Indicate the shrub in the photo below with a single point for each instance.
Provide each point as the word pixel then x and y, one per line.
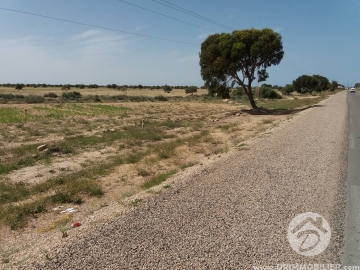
pixel 167 88
pixel 287 89
pixel 65 197
pixel 51 95
pixel 65 87
pixel 34 99
pixel 237 93
pixel 191 90
pixel 119 97
pixel 140 98
pixel 71 95
pixel 97 98
pixel 266 92
pixel 19 86
pixel 161 98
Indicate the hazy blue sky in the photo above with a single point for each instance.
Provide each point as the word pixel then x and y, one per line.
pixel 319 37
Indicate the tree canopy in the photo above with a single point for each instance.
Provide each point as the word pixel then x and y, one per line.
pixel 334 85
pixel 167 88
pixel 232 59
pixel 308 84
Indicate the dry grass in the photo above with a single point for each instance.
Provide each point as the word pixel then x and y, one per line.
pixel 98 91
pixel 101 154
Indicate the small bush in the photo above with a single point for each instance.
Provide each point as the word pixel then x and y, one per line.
pixel 191 90
pixel 51 95
pixel 237 93
pixel 119 97
pixel 313 93
pixel 267 92
pixel 34 99
pixel 71 95
pixel 139 98
pixel 61 147
pixel 97 98
pixel 19 86
pixel 133 158
pixel 287 89
pixel 161 98
pixel 65 197
pixel 66 87
pixel 142 172
pixel 11 96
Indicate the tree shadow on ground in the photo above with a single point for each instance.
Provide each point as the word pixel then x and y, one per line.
pixel 262 111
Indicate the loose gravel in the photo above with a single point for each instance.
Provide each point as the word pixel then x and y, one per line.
pixel 235 212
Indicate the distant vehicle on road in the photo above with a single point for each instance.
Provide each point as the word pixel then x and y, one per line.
pixel 352 89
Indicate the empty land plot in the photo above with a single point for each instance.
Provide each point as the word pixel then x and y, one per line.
pixel 102 158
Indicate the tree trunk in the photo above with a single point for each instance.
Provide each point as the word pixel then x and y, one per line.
pixel 252 102
pixel 251 98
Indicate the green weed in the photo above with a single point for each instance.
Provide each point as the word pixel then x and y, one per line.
pixel 136 202
pixel 158 179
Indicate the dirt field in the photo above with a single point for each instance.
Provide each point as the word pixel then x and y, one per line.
pixel 98 160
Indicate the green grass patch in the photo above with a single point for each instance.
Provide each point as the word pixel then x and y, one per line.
pixel 16 216
pixel 13 192
pixel 285 104
pixel 28 155
pixel 67 189
pixel 166 149
pixel 61 111
pixel 158 179
pixel 13 115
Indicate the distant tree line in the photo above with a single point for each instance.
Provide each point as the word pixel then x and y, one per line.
pixel 83 86
pixel 303 84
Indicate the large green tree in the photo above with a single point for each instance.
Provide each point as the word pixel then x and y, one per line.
pixel 233 59
pixel 307 84
pixel 334 85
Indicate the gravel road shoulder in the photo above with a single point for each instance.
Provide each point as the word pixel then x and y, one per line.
pixel 234 213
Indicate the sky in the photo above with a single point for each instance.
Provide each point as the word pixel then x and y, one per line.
pixel 146 42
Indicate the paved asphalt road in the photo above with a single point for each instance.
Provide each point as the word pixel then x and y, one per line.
pixel 352 224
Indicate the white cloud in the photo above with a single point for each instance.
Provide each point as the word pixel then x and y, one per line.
pixel 91 56
pixel 95 56
pixel 98 41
